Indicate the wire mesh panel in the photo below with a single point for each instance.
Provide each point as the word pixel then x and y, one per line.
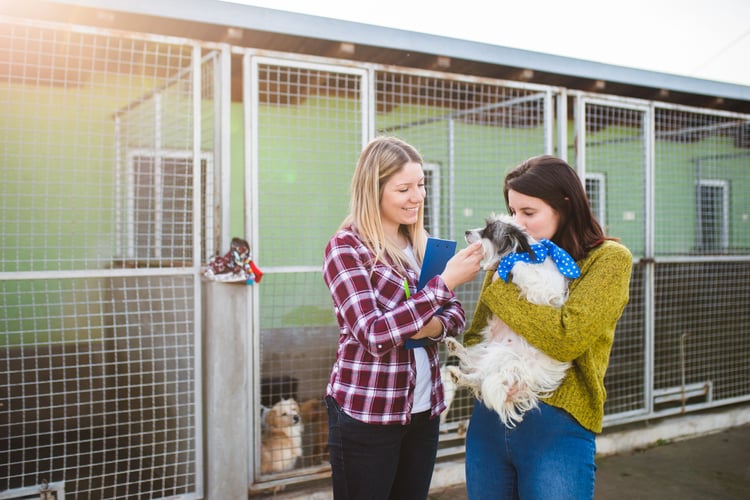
pixel 99 395
pixel 627 377
pixel 97 276
pixel 702 337
pixel 615 143
pixel 615 169
pixel 702 245
pixel 310 124
pixel 681 211
pixel 702 186
pixel 470 133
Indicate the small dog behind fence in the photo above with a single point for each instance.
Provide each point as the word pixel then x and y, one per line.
pixel 281 442
pixel 293 435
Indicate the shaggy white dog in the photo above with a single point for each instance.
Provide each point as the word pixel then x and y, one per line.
pixel 504 371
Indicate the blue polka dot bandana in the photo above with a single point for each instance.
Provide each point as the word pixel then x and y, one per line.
pixel 545 248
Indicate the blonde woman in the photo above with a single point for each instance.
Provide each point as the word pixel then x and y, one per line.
pixel 384 400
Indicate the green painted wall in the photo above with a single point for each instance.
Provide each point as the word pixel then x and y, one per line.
pixel 54 140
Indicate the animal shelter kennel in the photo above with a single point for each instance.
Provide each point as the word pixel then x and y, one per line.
pixel 131 158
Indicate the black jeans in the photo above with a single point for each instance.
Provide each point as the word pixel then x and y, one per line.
pixel 379 462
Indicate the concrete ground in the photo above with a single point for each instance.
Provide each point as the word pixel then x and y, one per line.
pixel 713 466
pixel 701 456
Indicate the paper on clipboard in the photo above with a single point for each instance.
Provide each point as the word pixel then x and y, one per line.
pixel 437 253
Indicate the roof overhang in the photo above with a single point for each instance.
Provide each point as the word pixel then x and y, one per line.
pixel 262 28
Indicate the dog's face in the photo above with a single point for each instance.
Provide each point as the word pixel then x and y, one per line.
pixel 283 414
pixel 500 236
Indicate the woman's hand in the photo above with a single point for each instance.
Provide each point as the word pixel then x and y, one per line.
pixel 433 328
pixel 464 266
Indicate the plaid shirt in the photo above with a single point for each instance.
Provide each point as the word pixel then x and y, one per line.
pixel 373 377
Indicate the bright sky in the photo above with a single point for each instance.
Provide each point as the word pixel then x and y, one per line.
pixel 699 38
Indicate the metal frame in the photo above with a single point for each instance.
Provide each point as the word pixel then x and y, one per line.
pixel 251 64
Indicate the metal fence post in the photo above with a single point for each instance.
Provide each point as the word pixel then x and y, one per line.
pixel 226 390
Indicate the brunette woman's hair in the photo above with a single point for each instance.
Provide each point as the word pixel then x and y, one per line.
pixel 379 161
pixel 554 181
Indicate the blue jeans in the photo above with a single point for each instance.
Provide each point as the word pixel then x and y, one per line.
pixel 547 456
pixel 381 462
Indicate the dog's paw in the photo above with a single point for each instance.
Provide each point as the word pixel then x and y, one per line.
pixel 453 345
pixel 454 373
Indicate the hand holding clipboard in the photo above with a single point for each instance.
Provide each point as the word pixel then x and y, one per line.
pixel 436 255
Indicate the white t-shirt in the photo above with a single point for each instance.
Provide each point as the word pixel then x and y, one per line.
pixel 423 387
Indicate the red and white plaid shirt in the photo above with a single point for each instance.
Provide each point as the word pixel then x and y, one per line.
pixel 373 377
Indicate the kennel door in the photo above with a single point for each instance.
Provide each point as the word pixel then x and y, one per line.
pixel 307 123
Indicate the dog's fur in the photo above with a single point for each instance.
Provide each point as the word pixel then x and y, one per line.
pixel 504 362
pixel 281 443
pixel 315 419
pixel 449 390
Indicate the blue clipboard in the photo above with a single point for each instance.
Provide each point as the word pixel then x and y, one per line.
pixel 437 253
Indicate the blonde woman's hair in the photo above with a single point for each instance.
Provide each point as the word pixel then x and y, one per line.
pixel 379 161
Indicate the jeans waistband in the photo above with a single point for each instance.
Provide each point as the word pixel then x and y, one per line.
pixel 422 416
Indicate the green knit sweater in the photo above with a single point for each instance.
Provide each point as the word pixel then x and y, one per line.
pixel 582 331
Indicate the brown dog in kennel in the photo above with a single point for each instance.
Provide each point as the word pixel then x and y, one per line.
pixel 315 420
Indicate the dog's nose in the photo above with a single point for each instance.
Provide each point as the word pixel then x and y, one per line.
pixel 296 419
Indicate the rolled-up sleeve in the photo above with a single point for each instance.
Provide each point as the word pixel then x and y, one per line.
pixel 371 303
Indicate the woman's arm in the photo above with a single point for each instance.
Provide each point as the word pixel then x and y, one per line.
pixel 595 303
pixel 473 334
pixel 371 303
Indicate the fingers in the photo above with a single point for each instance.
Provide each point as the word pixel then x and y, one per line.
pixel 474 248
pixel 473 258
pixel 464 266
pixel 474 253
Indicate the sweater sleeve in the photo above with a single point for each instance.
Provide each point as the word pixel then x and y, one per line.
pixel 473 334
pixel 595 302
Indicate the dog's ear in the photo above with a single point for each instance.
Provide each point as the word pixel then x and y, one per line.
pixel 520 240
